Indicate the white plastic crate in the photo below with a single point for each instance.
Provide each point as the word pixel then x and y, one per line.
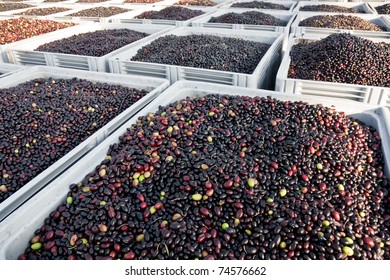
pixel 159 3
pixel 370 1
pixel 42 2
pixel 38 6
pixel 154 86
pixel 3 48
pixel 130 17
pixel 365 94
pixel 282 15
pixel 8 14
pixel 23 53
pixel 75 2
pixel 382 21
pixel 70 2
pixel 288 4
pixel 339 1
pixel 374 5
pixel 17 230
pixel 80 7
pixel 7 69
pixel 94 3
pixel 132 6
pixel 362 7
pixel 262 77
pixel 219 4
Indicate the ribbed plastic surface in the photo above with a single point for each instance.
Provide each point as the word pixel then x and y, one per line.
pixel 7 69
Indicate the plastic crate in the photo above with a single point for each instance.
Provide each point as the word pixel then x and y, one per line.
pixel 42 2
pixel 7 14
pixel 339 1
pixel 375 4
pixel 70 2
pixel 14 13
pixel 3 48
pixel 382 21
pixel 80 7
pixel 159 3
pixel 132 6
pixel 130 17
pixel 288 4
pixel 370 1
pixel 366 94
pixel 23 53
pixel 7 69
pixel 155 86
pixel 219 4
pixel 362 7
pixel 18 229
pixel 262 77
pixel 286 16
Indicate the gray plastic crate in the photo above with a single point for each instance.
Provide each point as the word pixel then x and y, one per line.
pixel 23 53
pixel 366 94
pixel 130 16
pixel 155 86
pixel 18 229
pixel 382 21
pixel 288 4
pixel 262 76
pixel 286 16
pixel 362 7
